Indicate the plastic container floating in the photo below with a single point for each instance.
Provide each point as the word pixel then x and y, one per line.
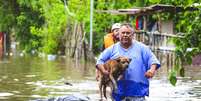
pixel 51 57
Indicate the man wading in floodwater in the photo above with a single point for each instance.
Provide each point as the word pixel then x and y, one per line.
pixel 134 85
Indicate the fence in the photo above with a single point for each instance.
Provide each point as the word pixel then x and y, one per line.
pixel 160 44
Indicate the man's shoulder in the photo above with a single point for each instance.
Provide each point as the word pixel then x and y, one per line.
pixel 138 43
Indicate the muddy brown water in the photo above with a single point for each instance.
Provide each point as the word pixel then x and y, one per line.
pixel 29 78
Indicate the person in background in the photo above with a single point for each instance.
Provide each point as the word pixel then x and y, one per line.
pixel 1 44
pixel 113 37
pixel 134 85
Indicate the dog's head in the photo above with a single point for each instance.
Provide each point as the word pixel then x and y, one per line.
pixel 123 62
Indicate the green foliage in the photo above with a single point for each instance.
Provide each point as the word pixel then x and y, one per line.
pixel 182 72
pixel 55 19
pixel 24 21
pixel 154 1
pixel 7 16
pixel 172 77
pixel 41 23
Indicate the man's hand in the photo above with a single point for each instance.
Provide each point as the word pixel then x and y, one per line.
pixel 151 72
pixel 102 70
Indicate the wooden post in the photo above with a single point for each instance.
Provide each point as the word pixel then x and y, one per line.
pixel 91 24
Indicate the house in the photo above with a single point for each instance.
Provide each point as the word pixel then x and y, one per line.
pixel 154 32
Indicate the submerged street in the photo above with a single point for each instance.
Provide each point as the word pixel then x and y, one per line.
pixel 30 78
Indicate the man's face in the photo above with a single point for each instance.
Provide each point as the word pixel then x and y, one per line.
pixel 125 35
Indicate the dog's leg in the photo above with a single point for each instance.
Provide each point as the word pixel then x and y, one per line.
pixel 120 77
pixel 100 89
pixel 114 82
pixel 104 91
pixel 111 90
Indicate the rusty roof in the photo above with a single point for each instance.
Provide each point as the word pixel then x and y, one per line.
pixel 149 10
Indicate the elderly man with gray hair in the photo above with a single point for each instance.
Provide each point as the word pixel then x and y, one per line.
pixel 134 85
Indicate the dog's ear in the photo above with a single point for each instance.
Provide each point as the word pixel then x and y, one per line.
pixel 118 59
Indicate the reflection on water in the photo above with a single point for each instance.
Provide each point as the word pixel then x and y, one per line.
pixel 29 78
pixel 163 91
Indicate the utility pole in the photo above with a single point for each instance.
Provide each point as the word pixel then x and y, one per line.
pixel 91 24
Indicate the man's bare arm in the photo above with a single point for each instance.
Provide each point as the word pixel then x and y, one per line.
pixel 151 72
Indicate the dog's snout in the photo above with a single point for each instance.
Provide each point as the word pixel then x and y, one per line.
pixel 126 64
pixel 130 59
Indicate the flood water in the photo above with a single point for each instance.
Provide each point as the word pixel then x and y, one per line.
pixel 29 78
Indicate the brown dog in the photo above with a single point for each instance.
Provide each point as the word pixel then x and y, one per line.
pixel 115 67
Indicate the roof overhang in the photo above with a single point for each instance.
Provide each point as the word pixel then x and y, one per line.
pixel 149 10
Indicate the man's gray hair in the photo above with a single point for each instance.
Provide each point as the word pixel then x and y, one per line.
pixel 128 25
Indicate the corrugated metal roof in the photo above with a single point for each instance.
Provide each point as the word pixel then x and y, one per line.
pixel 149 10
